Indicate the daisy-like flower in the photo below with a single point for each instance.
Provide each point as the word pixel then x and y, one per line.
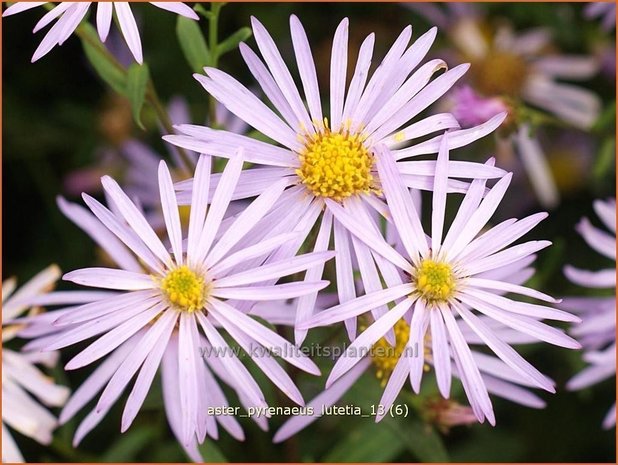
pixel 328 161
pixel 597 332
pixel 446 279
pixel 21 379
pixel 500 379
pixel 606 11
pixel 165 299
pixel 70 14
pixel 519 69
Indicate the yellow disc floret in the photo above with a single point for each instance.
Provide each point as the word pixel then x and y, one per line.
pixel 184 289
pixel 336 165
pixel 434 281
pixel 385 356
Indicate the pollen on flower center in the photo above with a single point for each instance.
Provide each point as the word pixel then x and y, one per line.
pixel 336 165
pixel 385 356
pixel 500 73
pixel 185 289
pixel 434 281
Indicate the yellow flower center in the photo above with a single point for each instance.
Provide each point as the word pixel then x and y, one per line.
pixel 434 281
pixel 499 73
pixel 336 165
pixel 184 289
pixel 384 356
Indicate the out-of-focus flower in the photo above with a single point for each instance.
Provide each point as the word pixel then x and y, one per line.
pixel 511 70
pixel 605 49
pixel 597 332
pixel 21 379
pixel 606 11
pixel 518 68
pixel 70 14
pixel 443 279
pixel 446 413
pixel 135 165
pixel 445 15
pixel 471 109
pixel 523 66
pixel 331 162
pixel 165 298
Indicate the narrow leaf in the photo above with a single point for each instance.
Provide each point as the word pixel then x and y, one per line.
pixel 369 442
pixel 232 41
pixel 419 438
pixel 192 43
pixel 137 81
pixel 109 72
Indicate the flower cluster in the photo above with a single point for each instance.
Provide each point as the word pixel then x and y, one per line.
pixel 313 217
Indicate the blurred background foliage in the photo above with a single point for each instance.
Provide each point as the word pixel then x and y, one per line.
pixel 58 117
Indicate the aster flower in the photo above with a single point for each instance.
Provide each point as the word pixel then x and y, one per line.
pixel 325 160
pixel 444 279
pixel 509 69
pixel 597 332
pixel 381 360
pixel 606 11
pixel 163 301
pixel 70 14
pixel 22 381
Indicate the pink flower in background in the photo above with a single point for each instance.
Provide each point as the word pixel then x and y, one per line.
pixel 471 109
pixel 70 14
pixel 597 332
pixel 441 281
pixel 163 301
pixel 509 68
pixel 606 11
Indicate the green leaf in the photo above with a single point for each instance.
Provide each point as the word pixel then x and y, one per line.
pixel 605 160
pixel 137 82
pixel 99 58
pixel 607 119
pixel 129 445
pixel 419 438
pixel 369 442
pixel 192 43
pixel 232 41
pixel 211 452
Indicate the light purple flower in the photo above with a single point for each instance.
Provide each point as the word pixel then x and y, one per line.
pixel 471 109
pixel 70 14
pixel 606 11
pixel 500 379
pixel 325 160
pixel 21 379
pixel 443 280
pixel 165 298
pixel 597 332
pixel 517 67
